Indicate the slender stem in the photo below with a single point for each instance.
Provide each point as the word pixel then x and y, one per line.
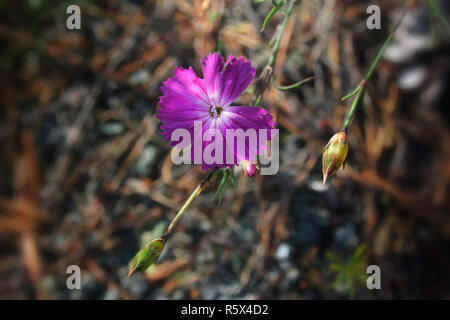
pixel 191 198
pixel 276 46
pixel 266 74
pixel 361 88
pixel 383 48
pixel 174 222
pixel 202 185
pixel 355 104
pixel 435 10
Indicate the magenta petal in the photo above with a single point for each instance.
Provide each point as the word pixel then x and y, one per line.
pixel 184 100
pixel 236 117
pixel 215 124
pixel 236 77
pixel 224 85
pixel 249 117
pixel 187 86
pixel 187 98
pixel 212 67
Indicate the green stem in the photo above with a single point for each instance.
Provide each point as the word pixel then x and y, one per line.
pixel 355 104
pixel 361 88
pixel 266 74
pixel 201 186
pixel 276 46
pixel 174 222
pixel 188 202
pixel 380 53
pixel 435 10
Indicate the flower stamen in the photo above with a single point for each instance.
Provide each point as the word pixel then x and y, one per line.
pixel 215 111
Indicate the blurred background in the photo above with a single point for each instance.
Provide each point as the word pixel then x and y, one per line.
pixel 86 179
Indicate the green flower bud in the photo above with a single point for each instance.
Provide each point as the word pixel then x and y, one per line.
pixel 147 256
pixel 334 155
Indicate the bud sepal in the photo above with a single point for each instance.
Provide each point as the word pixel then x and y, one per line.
pixel 147 256
pixel 334 155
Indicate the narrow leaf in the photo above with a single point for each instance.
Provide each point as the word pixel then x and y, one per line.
pixel 276 7
pixel 351 94
pixel 222 185
pixel 292 86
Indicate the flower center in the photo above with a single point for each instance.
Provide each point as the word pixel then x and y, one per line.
pixel 215 111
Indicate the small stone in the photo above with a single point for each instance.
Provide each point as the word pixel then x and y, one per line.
pixel 145 161
pixel 283 252
pixel 346 236
pixel 139 77
pixel 318 186
pixel 111 128
pixel 412 78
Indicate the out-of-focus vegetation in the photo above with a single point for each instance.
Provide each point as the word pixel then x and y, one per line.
pixel 86 179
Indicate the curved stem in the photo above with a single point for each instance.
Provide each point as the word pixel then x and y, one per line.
pixel 292 86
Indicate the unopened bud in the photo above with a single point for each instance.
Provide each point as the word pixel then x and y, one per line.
pixel 147 256
pixel 249 168
pixel 334 155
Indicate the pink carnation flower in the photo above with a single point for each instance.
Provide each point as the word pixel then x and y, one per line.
pixel 187 98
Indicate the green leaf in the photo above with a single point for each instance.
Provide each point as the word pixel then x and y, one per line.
pixel 233 178
pixel 213 16
pixel 250 90
pixel 352 94
pixel 434 9
pixel 360 250
pixel 276 6
pixel 333 257
pixel 221 189
pixel 335 267
pixel 292 86
pixel 349 273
